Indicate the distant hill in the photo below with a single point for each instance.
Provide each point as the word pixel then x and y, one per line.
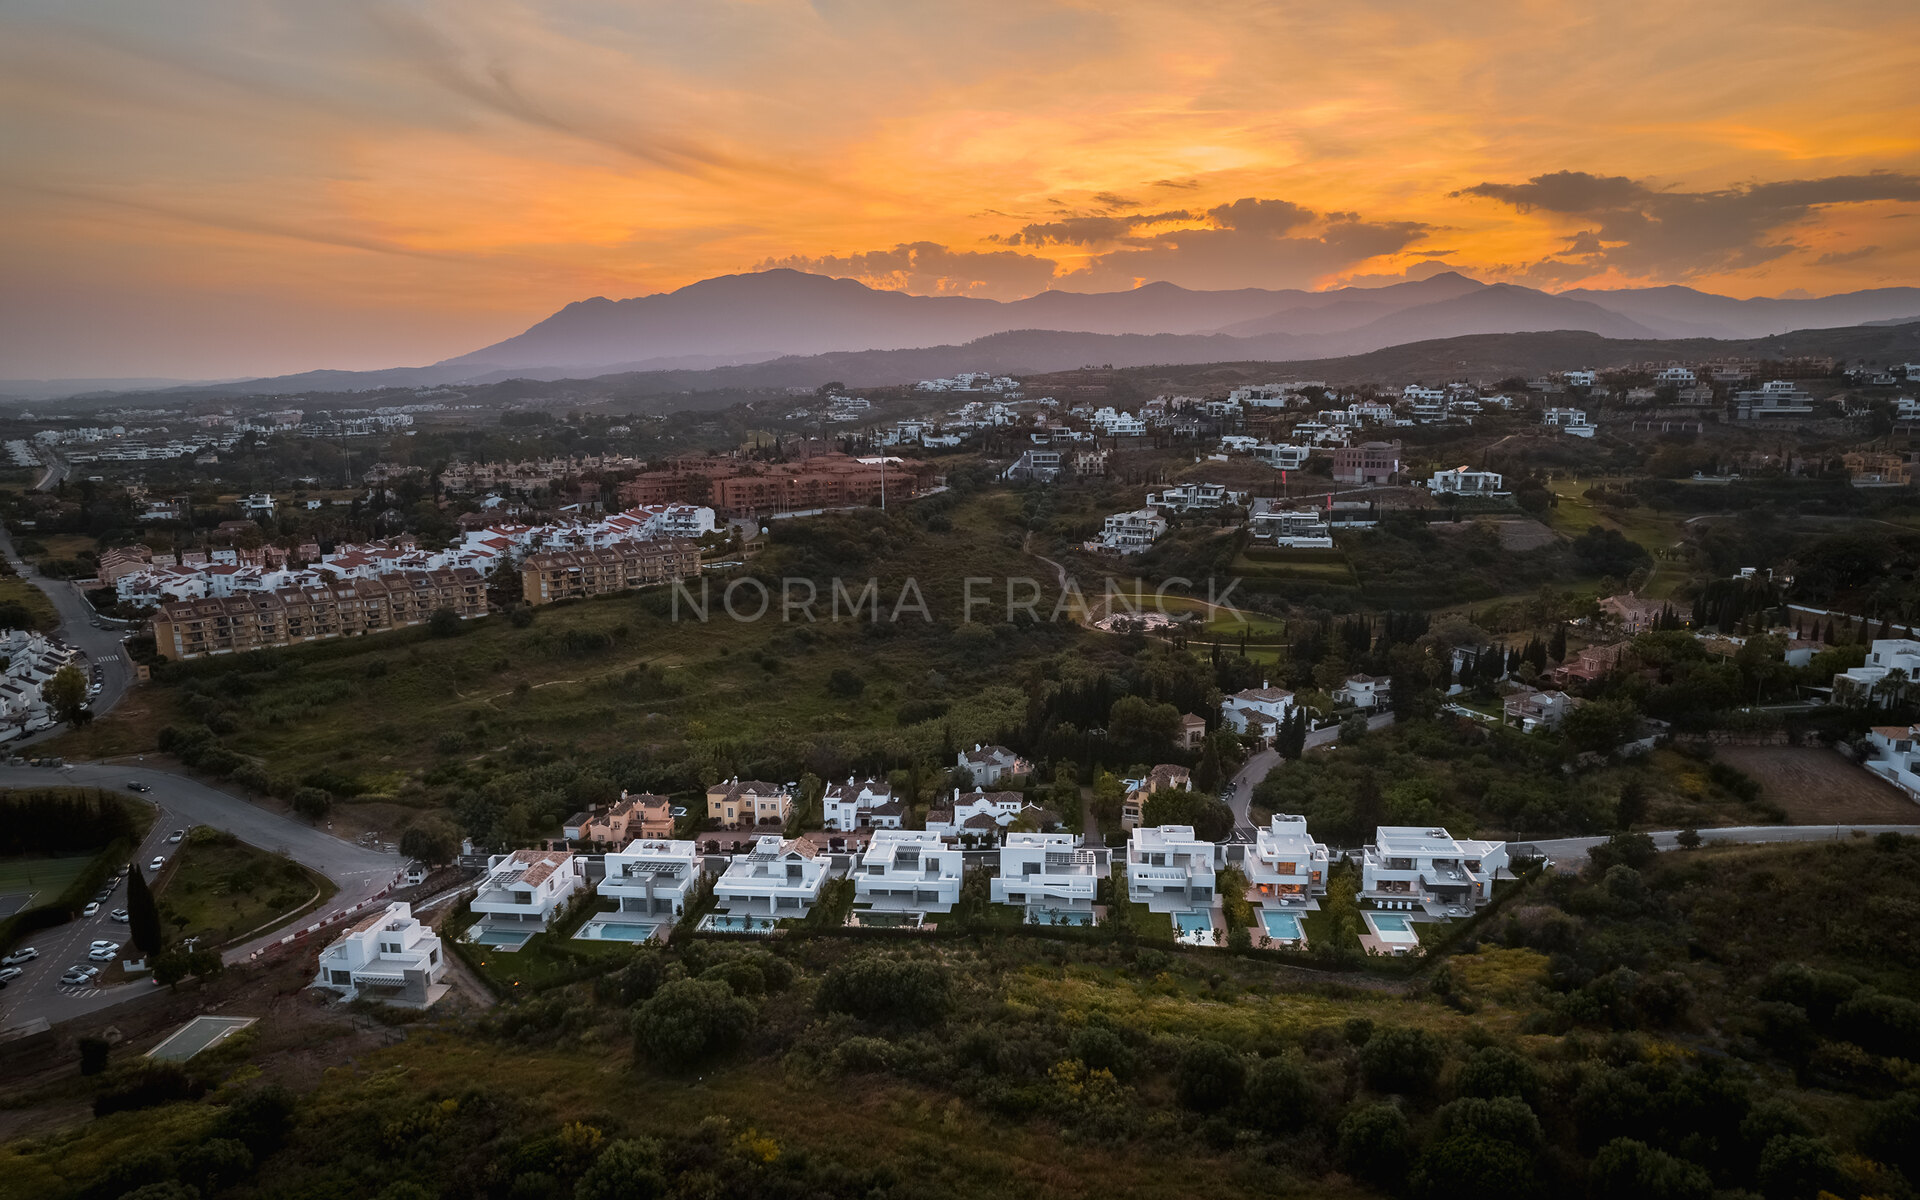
pixel 773 314
pixel 787 328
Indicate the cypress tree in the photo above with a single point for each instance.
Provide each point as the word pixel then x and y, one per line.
pixel 143 915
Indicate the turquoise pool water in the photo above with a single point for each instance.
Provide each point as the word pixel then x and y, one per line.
pixel 1284 926
pixel 728 923
pixel 1060 918
pixel 616 931
pixel 1193 922
pixel 1388 928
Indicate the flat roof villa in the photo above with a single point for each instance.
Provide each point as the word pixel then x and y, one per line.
pixel 906 872
pixel 388 956
pixel 1286 868
pixel 775 880
pixel 649 880
pixel 1428 872
pixel 1172 872
pixel 1050 876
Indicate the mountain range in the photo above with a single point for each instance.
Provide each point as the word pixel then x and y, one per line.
pixel 794 328
pixel 768 314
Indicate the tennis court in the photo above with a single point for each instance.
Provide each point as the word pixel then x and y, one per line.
pixel 25 881
pixel 197 1035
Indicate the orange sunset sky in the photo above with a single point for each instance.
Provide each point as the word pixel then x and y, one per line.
pixel 212 189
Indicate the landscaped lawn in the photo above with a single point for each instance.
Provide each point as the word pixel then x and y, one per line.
pixel 219 889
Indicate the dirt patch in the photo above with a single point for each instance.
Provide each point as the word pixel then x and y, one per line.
pixel 1815 786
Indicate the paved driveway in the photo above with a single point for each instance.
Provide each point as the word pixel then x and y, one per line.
pixel 357 871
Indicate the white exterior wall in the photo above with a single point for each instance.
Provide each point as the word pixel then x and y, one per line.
pixel 909 870
pixel 1169 869
pixel 652 877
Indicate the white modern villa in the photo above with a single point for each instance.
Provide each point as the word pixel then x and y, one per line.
pixel 907 871
pixel 652 878
pixel 1050 875
pixel 1428 871
pixel 388 956
pixel 522 891
pixel 1286 866
pixel 1171 871
pixel 1897 748
pixel 1874 682
pixel 775 880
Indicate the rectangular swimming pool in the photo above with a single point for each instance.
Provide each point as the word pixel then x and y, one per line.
pixel 1389 928
pixel 616 931
pixel 500 939
pixel 728 923
pixel 1281 926
pixel 1193 922
pixel 1036 916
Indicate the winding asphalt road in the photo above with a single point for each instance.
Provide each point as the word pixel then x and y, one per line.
pixel 356 871
pixel 1570 853
pixel 82 628
pixel 1255 769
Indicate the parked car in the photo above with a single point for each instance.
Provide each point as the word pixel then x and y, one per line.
pixel 92 908
pixel 80 976
pixel 102 955
pixel 159 860
pixel 9 974
pixel 121 915
pixel 104 944
pixel 22 955
pixel 137 786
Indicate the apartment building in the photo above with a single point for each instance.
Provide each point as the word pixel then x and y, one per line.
pixel 652 877
pixel 1429 871
pixel 186 629
pixel 601 570
pixel 735 802
pixel 1169 869
pixel 387 956
pixel 907 871
pixel 1368 464
pixel 1286 866
pixel 775 879
pixel 1051 876
pixel 738 488
pixel 524 890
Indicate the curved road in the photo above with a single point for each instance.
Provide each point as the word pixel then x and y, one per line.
pixel 82 628
pixel 355 870
pixel 1569 852
pixel 1255 769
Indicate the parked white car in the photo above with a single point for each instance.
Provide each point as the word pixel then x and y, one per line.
pixel 9 974
pixel 93 906
pixel 22 955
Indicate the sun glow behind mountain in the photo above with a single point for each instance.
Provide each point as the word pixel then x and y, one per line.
pixel 233 188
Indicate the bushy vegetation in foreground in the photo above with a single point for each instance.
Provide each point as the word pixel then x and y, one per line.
pixel 1664 1025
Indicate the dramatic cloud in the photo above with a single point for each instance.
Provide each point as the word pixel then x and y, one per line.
pixel 1262 216
pixel 230 186
pixel 1089 231
pixel 1637 229
pixel 930 269
pixel 1251 243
